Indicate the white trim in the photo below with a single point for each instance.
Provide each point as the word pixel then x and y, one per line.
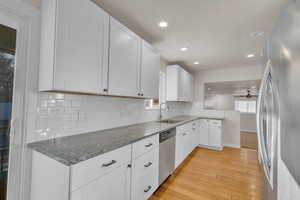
pixel 24 18
pixel 249 131
pixel 237 146
pixel 211 147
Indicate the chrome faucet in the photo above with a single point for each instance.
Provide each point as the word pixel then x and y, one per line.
pixel 160 109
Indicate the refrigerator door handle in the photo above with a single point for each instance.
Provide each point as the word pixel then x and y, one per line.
pixel 261 139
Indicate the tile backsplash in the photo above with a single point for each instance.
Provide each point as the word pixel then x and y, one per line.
pixel 59 115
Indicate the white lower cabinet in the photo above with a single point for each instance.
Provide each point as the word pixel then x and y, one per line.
pixel 145 175
pixel 186 136
pixel 211 133
pixel 204 126
pixel 127 173
pixel 145 168
pixel 112 186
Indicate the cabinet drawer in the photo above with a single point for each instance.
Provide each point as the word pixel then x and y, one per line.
pixel 85 172
pixel 145 163
pixel 112 186
pixel 215 123
pixel 145 185
pixel 145 145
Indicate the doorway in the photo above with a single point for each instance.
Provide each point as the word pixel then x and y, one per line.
pixel 8 38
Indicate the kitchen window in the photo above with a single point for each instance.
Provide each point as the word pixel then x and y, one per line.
pixel 245 106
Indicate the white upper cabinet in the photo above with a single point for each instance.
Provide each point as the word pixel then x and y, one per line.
pixel 74 47
pixel 84 50
pixel 179 84
pixel 150 68
pixel 124 61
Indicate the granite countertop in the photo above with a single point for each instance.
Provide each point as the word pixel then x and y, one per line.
pixel 71 150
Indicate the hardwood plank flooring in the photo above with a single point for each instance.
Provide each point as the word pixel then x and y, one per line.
pixel 231 174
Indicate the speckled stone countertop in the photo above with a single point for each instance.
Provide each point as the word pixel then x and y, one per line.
pixel 71 150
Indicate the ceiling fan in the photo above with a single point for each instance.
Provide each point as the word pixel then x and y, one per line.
pixel 248 95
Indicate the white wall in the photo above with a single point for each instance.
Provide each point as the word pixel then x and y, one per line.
pixel 226 74
pixel 219 102
pixel 60 115
pixel 248 122
pixel 232 118
pixel 35 3
pixel 232 129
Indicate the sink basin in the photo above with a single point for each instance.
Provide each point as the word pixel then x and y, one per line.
pixel 170 121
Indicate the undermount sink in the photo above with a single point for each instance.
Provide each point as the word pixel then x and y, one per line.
pixel 170 121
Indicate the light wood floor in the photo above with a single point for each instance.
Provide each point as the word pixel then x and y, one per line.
pixel 231 174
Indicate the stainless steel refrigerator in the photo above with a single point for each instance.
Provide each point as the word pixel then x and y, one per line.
pixel 278 112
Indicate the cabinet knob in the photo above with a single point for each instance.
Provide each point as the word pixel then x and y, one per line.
pixel 139 94
pixel 142 94
pixel 105 90
pixel 148 189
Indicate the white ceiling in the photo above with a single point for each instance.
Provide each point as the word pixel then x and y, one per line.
pixel 217 32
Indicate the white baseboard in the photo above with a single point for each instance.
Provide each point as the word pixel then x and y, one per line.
pixel 210 147
pixel 249 131
pixel 237 146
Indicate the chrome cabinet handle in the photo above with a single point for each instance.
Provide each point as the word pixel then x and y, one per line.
pixel 109 164
pixel 148 164
pixel 149 145
pixel 148 189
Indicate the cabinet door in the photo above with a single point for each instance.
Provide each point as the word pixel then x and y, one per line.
pixel 181 85
pixel 196 135
pixel 180 148
pixel 112 186
pixel 145 172
pixel 150 68
pixel 81 55
pixel 215 136
pixel 124 61
pixel 204 131
pixel 190 87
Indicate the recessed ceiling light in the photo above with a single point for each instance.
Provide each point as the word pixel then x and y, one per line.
pixel 253 87
pixel 184 49
pixel 208 88
pixel 163 24
pixel 250 55
pixel 196 63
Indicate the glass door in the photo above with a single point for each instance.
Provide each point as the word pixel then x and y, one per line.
pixel 7 64
pixel 268 123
